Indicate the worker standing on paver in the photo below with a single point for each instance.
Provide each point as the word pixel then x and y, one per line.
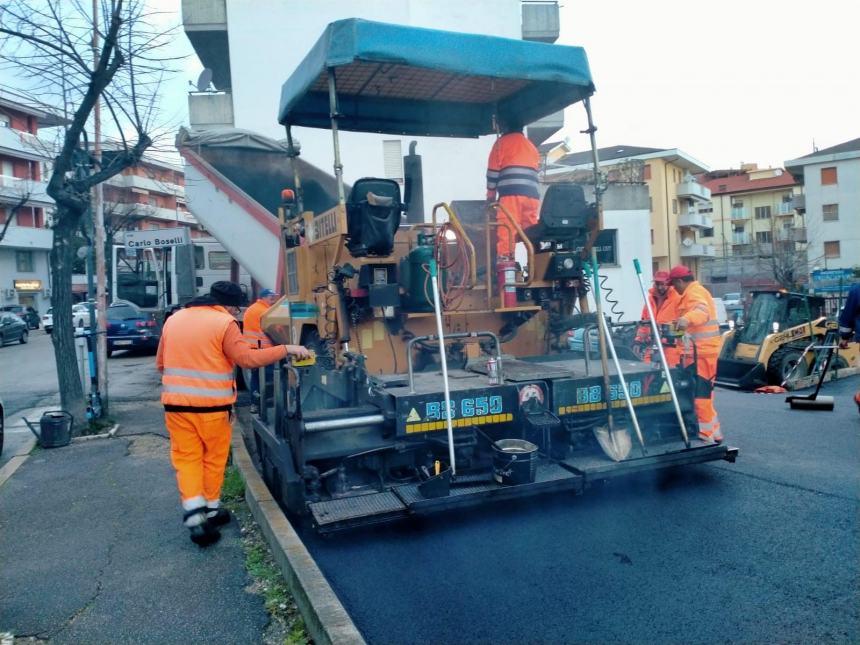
pixel 849 324
pixel 512 173
pixel 199 348
pixel 664 303
pixel 697 318
pixel 255 337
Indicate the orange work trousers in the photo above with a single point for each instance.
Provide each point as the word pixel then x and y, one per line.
pixel 199 446
pixel 706 413
pixel 524 210
pixel 673 355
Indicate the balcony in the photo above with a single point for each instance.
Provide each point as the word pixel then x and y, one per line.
pixel 26 237
pixel 740 239
pixel 24 145
pixel 798 202
pixel 179 215
pixel 205 25
pixel 210 110
pixel 785 209
pixel 695 250
pixel 147 184
pixel 695 220
pixel 540 21
pixel 739 213
pixel 792 235
pixel 691 189
pixel 13 189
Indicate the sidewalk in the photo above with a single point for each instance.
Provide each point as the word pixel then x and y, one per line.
pixel 93 549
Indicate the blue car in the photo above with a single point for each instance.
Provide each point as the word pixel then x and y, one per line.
pixel 130 328
pixel 575 341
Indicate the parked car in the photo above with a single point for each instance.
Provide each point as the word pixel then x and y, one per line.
pixel 130 328
pixel 12 328
pixel 576 340
pixel 2 424
pixel 732 299
pixel 48 321
pixel 25 313
pixel 81 315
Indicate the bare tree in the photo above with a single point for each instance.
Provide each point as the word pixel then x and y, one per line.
pixel 75 61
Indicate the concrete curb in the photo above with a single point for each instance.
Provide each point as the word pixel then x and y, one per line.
pixel 17 460
pixel 326 619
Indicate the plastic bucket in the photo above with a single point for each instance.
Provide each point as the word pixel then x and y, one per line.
pixel 514 461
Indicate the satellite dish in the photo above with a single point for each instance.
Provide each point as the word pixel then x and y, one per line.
pixel 82 252
pixel 204 80
pixel 687 242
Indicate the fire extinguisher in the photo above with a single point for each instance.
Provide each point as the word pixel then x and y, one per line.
pixel 506 276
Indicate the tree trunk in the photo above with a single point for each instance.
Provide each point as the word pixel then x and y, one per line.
pixel 71 392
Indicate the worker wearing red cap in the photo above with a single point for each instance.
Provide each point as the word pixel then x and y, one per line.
pixel 664 303
pixel 512 173
pixel 697 318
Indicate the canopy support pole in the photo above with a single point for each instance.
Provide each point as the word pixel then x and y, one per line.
pixel 595 161
pixel 297 179
pixel 338 167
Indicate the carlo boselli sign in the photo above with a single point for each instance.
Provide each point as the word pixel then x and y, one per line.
pixel 157 238
pixel 27 285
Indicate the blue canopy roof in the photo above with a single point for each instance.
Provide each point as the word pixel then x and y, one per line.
pixel 414 81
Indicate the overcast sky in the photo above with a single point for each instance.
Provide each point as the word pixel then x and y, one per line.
pixel 728 82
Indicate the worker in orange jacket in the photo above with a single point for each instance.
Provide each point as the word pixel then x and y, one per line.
pixel 697 318
pixel 199 348
pixel 512 174
pixel 664 303
pixel 255 337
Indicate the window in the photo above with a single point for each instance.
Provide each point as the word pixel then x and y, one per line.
pixel 199 259
pixel 652 236
pixel 24 261
pixel 762 212
pixel 708 232
pixel 650 203
pixel 152 200
pixel 830 212
pixel 675 206
pixel 219 260
pixel 831 250
pixel 646 172
pixel 4 120
pixel 786 199
pixel 828 176
pixel 763 237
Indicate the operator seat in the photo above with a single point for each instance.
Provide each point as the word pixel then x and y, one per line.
pixel 565 217
pixel 373 213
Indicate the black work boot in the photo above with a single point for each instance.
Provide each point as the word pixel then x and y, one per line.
pixel 217 516
pixel 203 532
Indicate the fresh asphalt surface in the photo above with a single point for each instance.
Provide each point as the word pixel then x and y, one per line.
pixel 763 550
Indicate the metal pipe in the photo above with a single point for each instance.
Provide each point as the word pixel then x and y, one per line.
pixel 297 179
pixel 659 343
pixel 332 103
pixel 437 308
pixel 342 424
pixel 462 334
pixel 595 161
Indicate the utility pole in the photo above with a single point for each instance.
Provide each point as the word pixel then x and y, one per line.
pixel 99 235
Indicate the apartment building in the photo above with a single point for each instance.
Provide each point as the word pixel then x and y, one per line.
pixel 679 206
pixel 758 235
pixel 831 186
pixel 24 203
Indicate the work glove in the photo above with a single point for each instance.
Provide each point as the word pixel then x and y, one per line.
pixel 299 351
pixel 681 324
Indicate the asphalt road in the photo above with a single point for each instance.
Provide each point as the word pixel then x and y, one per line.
pixel 28 384
pixel 764 550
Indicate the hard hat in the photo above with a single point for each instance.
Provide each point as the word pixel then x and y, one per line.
pixel 661 276
pixel 679 271
pixel 267 292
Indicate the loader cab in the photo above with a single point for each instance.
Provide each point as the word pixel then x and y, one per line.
pixel 775 311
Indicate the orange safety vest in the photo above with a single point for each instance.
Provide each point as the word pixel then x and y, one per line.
pixel 513 167
pixel 697 307
pixel 196 372
pixel 252 330
pixel 667 311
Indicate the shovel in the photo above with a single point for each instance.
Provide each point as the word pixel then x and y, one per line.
pixel 813 401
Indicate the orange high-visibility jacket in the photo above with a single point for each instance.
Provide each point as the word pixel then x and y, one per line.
pixel 252 330
pixel 697 306
pixel 513 167
pixel 667 311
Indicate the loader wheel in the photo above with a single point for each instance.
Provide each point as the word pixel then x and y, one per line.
pixel 781 364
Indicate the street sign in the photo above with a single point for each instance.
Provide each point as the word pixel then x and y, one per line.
pixel 832 280
pixel 157 238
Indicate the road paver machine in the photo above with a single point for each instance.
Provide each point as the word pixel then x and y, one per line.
pixel 390 420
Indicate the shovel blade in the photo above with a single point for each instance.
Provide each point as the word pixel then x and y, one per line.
pixel 616 443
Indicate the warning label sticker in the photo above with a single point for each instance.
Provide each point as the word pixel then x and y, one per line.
pixel 413 415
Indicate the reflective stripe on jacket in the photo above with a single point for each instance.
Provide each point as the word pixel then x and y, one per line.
pixel 196 371
pixel 513 167
pixel 697 306
pixel 667 311
pixel 252 330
